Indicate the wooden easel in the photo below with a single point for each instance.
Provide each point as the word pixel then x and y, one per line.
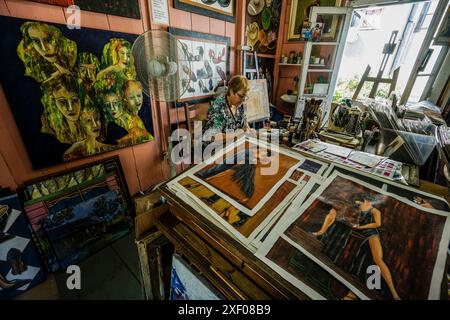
pixel 376 81
pixel 387 51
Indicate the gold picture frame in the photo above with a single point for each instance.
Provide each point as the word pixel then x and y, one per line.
pixel 299 12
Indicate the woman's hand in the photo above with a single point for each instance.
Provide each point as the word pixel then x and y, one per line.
pixel 356 226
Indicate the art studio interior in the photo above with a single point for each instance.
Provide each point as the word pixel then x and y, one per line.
pixel 225 150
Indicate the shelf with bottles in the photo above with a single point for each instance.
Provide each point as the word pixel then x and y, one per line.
pixel 320 70
pixel 293 58
pixel 321 58
pixel 325 43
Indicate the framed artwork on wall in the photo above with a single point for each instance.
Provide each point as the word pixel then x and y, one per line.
pixel 299 16
pixel 75 213
pixel 123 8
pixel 209 57
pixel 262 22
pixel 82 96
pixel 217 9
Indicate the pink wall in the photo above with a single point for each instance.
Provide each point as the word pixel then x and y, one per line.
pixel 143 164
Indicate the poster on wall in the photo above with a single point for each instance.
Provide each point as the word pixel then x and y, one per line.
pixel 124 8
pixel 209 56
pixel 160 12
pixel 73 93
pixel 20 266
pixel 217 9
pixel 78 212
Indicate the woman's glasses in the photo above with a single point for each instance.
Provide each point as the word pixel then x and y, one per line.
pixel 243 97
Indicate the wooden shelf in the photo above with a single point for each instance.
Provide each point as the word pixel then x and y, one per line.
pixel 262 55
pixel 320 70
pixel 290 64
pixel 308 95
pixel 325 43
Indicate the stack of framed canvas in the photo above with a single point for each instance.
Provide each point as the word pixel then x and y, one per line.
pixel 247 186
pixel 356 237
pixel 78 212
pixel 333 232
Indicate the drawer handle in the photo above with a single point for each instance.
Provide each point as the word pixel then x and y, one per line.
pixel 228 283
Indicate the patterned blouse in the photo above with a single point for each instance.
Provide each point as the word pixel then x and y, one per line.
pixel 220 117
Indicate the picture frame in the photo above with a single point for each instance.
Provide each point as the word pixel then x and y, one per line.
pixel 443 34
pixel 298 14
pixel 122 8
pixel 51 134
pixel 222 9
pixel 76 212
pixel 210 64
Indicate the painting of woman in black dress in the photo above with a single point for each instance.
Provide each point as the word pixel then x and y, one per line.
pixel 349 226
pixel 366 228
pixel 244 167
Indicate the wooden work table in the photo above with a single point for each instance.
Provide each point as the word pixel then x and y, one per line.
pixel 227 264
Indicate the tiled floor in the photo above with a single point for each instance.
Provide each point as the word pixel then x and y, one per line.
pixel 112 273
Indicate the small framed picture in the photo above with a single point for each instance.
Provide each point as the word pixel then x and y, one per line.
pixel 316 32
pixel 217 9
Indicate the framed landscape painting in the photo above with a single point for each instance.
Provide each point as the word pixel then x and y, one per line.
pixel 75 213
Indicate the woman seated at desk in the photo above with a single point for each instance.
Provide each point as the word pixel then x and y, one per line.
pixel 227 112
